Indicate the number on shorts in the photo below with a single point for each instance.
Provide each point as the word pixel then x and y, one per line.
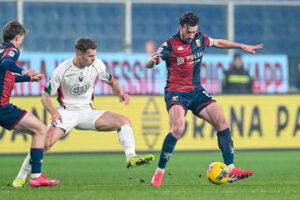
pixel 204 92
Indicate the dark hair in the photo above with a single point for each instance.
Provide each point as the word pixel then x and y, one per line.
pixel 12 29
pixel 83 44
pixel 189 18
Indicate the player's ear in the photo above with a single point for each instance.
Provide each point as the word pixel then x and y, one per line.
pixel 79 54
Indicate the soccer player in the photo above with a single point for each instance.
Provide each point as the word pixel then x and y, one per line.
pixel 12 117
pixel 183 55
pixel 73 81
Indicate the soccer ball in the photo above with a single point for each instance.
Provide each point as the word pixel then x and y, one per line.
pixel 217 173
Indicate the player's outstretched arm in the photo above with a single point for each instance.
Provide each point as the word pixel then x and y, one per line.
pixel 36 77
pixel 117 89
pixel 154 60
pixel 226 44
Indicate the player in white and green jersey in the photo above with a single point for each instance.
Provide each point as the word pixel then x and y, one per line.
pixel 73 81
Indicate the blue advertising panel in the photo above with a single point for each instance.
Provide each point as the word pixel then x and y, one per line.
pixel 269 72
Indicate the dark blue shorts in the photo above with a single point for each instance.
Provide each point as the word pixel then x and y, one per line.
pixel 10 115
pixel 194 100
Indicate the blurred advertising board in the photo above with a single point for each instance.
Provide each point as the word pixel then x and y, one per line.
pixel 256 122
pixel 269 72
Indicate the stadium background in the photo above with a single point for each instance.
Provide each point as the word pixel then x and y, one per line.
pixel 124 30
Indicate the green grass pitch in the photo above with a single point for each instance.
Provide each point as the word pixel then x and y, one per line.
pixel 104 176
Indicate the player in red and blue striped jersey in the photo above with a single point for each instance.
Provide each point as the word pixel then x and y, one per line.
pixel 12 117
pixel 183 56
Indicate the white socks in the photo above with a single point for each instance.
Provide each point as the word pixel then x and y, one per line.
pixel 126 140
pixel 25 169
pixel 35 175
pixel 159 170
pixel 230 167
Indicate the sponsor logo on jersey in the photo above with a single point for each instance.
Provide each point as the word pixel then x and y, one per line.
pixel 180 60
pixel 198 43
pixel 77 90
pixel 180 48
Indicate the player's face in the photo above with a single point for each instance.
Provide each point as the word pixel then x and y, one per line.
pixel 88 57
pixel 187 33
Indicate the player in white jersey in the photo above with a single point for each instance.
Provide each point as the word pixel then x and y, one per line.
pixel 73 81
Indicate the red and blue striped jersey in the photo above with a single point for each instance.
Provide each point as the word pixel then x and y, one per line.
pixel 183 61
pixel 7 78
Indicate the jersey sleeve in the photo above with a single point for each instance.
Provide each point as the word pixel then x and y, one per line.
pixel 164 50
pixel 102 70
pixel 208 41
pixel 54 82
pixel 11 53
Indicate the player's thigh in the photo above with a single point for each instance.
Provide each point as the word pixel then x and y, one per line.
pixel 110 121
pixel 200 101
pixel 177 118
pixel 30 124
pixel 214 115
pixel 70 119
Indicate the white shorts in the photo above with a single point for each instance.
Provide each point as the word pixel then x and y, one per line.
pixel 79 119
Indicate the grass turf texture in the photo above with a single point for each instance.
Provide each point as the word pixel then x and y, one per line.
pixel 104 176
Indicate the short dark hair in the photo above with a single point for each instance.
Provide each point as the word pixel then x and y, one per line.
pixel 11 30
pixel 189 18
pixel 83 44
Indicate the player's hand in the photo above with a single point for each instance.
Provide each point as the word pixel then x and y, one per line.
pixel 36 77
pixel 124 98
pixel 250 49
pixel 156 59
pixel 55 119
pixel 29 72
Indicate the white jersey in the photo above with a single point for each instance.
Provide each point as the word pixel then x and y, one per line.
pixel 74 86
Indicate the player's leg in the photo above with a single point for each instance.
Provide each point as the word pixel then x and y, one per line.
pixel 110 121
pixel 215 116
pixel 177 118
pixel 53 134
pixel 30 124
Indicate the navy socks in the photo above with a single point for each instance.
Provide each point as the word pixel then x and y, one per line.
pixel 36 160
pixel 167 150
pixel 226 145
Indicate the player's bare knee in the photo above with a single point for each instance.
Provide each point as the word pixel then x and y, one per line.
pixel 48 144
pixel 42 131
pixel 222 124
pixel 124 120
pixel 178 128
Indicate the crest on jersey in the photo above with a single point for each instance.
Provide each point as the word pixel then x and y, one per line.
pixel 198 43
pixel 175 98
pixel 80 78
